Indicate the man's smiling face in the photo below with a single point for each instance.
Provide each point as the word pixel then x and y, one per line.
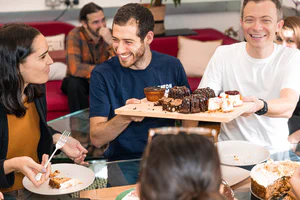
pixel 260 23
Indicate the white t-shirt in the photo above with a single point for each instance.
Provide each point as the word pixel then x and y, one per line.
pixel 231 68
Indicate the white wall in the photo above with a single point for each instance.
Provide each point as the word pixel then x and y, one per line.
pixel 218 20
pixel 37 5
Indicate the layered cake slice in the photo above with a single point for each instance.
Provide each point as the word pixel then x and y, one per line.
pixel 62 182
pixel 214 104
pixel 270 180
pixel 235 96
pixel 227 105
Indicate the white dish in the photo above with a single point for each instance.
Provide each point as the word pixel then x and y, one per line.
pixel 234 175
pixel 84 174
pixel 241 153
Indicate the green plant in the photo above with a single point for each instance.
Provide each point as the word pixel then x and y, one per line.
pixel 159 2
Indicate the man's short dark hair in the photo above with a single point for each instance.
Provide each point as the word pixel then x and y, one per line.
pixel 276 2
pixel 88 9
pixel 142 15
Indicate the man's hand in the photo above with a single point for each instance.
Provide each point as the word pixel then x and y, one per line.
pixel 75 151
pixel 105 33
pixel 103 131
pixel 294 138
pixel 134 118
pixel 258 104
pixel 295 182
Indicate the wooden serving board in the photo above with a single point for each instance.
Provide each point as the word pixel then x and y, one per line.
pixel 147 109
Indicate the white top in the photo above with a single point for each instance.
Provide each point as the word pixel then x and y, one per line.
pixel 231 68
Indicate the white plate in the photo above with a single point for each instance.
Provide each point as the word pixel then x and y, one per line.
pixel 84 174
pixel 234 175
pixel 241 153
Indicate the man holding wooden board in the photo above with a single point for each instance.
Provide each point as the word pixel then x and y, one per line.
pixel 122 79
pixel 264 72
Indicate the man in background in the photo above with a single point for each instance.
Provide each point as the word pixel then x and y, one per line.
pixel 87 46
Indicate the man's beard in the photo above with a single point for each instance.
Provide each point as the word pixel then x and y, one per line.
pixel 138 56
pixel 94 33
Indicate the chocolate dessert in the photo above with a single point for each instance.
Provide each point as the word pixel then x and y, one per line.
pixel 206 92
pixel 179 92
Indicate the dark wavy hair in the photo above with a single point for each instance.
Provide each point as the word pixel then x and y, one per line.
pixel 88 9
pixel 180 167
pixel 15 46
pixel 142 15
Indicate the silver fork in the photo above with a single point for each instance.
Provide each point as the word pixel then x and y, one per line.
pixel 59 144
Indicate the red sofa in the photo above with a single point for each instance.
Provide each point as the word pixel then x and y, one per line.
pixel 58 102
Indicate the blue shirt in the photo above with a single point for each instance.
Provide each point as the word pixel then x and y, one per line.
pixel 111 85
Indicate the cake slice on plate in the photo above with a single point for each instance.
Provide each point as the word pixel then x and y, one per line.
pixel 62 182
pixel 271 179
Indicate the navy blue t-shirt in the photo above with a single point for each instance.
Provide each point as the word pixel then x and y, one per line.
pixel 111 85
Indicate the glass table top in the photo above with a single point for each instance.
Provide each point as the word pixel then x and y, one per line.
pixel 120 173
pixel 79 125
pixel 126 172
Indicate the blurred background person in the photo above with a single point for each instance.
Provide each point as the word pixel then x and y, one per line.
pixel 24 68
pixel 182 167
pixel 87 46
pixel 295 182
pixel 290 36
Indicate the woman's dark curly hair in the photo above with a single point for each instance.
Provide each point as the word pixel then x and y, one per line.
pixel 15 46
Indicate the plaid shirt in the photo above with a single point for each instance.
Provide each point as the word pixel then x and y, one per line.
pixel 83 54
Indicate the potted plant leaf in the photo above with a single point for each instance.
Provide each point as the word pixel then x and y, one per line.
pixel 158 10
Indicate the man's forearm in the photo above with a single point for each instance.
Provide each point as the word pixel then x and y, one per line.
pixel 103 132
pixel 281 108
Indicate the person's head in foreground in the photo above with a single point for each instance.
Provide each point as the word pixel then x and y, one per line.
pixel 132 33
pixel 24 64
pixel 289 35
pixel 182 166
pixel 260 20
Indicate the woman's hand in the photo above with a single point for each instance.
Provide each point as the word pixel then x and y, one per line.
pixel 28 167
pixel 46 175
pixel 1 196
